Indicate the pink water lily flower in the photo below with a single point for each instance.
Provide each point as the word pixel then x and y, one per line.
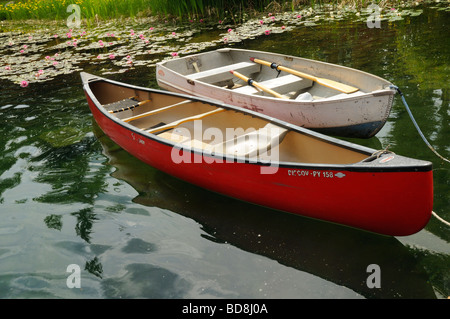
pixel 267 32
pixel 112 56
pixel 7 67
pixel 174 53
pixel 24 84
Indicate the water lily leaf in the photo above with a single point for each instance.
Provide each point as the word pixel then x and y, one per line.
pixel 63 136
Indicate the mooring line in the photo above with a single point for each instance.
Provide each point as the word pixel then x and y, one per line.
pixel 416 125
pixel 440 218
pixel 424 139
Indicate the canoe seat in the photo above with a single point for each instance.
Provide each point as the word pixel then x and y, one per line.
pixel 253 143
pixel 223 73
pixel 282 84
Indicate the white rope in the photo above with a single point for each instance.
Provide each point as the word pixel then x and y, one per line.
pixel 424 139
pixel 417 126
pixel 440 218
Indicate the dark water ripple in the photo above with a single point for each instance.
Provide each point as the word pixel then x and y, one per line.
pixel 68 195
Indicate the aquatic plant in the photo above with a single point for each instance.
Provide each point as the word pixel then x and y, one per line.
pixel 57 9
pixel 41 55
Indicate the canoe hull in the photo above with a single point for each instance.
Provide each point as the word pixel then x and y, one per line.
pixel 376 201
pixel 354 116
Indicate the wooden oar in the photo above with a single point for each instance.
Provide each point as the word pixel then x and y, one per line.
pixel 257 85
pixel 322 81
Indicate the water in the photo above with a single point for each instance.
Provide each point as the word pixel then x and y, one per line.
pixel 70 196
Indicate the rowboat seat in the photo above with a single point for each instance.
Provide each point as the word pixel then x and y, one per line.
pixel 223 73
pixel 253 143
pixel 282 84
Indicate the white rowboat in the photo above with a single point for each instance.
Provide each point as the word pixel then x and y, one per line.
pixel 311 95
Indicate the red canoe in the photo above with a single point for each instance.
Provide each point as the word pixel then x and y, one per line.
pixel 262 160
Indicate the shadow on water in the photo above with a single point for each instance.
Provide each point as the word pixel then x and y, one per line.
pixel 335 253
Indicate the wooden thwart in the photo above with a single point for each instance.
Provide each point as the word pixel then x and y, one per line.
pixel 162 109
pixel 322 81
pixel 184 120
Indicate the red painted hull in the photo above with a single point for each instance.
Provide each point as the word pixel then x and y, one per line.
pixel 380 202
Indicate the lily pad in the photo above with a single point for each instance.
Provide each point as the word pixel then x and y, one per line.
pixel 63 136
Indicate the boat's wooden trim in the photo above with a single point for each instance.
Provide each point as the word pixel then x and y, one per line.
pixel 152 112
pixel 184 120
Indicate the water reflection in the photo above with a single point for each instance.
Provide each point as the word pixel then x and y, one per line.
pixel 146 281
pixel 335 253
pixel 162 238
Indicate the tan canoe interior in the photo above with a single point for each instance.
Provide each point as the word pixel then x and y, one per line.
pixel 213 129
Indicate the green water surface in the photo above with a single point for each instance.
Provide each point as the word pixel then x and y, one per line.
pixel 70 196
